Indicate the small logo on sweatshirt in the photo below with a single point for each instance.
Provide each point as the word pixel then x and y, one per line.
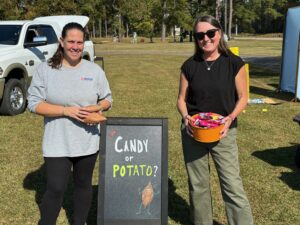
pixel 86 78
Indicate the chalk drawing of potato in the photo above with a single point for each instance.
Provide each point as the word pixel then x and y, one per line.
pixel 147 195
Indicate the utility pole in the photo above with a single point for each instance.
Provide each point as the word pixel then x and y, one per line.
pixel 94 29
pixel 225 16
pixel 100 28
pixel 163 25
pixel 230 18
pixel 218 13
pixel 120 27
pixel 105 23
pixel 236 27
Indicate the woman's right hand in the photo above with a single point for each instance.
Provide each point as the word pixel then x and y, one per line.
pixel 75 112
pixel 187 120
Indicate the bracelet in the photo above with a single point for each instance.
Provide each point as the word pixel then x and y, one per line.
pixel 100 108
pixel 231 117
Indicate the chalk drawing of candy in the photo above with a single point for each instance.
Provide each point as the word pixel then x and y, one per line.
pixel 112 133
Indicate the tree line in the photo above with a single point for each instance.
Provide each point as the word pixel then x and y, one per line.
pixel 157 17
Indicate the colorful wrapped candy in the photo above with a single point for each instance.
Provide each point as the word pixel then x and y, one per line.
pixel 208 120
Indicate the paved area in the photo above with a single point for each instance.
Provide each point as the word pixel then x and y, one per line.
pixel 258 38
pixel 273 63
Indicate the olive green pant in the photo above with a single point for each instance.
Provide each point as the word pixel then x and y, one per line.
pixel 225 156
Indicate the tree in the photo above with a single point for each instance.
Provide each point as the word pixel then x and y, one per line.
pixel 175 13
pixel 153 17
pixel 245 16
pixel 230 19
pixel 201 7
pixel 218 10
pixel 11 9
pixel 164 17
pixel 139 14
pixel 54 7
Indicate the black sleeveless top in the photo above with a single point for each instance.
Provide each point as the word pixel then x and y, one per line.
pixel 212 90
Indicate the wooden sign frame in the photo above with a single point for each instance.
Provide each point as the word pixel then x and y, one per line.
pixel 105 181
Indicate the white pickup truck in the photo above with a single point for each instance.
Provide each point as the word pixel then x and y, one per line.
pixel 23 46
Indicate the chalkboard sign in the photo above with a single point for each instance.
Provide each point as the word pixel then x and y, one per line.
pixel 133 178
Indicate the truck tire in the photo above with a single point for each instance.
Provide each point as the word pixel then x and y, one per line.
pixel 14 98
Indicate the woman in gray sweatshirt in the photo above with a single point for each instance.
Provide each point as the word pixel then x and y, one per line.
pixel 66 90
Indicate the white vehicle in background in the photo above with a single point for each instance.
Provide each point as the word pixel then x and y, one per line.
pixel 23 46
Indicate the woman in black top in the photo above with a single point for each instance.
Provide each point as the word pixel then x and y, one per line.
pixel 213 80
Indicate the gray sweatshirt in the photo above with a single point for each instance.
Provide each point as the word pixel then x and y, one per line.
pixel 81 86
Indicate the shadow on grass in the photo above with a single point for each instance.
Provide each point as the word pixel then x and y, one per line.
pixel 178 207
pixel 267 68
pixel 284 96
pixel 36 181
pixel 283 157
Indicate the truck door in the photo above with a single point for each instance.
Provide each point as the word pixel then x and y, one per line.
pixel 38 54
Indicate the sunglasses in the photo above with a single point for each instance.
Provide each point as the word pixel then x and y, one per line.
pixel 210 34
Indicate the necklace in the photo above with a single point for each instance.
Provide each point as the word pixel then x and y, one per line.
pixel 208 67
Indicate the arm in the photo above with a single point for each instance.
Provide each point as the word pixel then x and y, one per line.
pixel 241 88
pixel 104 97
pixel 50 110
pixel 37 99
pixel 181 102
pixel 104 105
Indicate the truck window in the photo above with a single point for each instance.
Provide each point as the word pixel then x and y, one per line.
pixel 41 30
pixel 9 34
pixel 48 31
pixel 30 34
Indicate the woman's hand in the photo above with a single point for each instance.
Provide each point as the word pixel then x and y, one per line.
pixel 227 122
pixel 187 120
pixel 92 108
pixel 94 118
pixel 75 112
pixel 95 114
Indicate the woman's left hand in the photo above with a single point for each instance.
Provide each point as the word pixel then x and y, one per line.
pixel 94 118
pixel 92 108
pixel 227 122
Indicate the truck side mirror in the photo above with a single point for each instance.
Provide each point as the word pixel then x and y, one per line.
pixel 37 41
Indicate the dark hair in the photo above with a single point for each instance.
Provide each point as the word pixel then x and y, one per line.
pixel 56 61
pixel 223 48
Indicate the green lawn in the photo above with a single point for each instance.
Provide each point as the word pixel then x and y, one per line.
pixel 144 80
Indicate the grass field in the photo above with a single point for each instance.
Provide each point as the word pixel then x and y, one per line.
pixel 144 81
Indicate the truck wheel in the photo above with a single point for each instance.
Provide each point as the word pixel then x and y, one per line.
pixel 14 98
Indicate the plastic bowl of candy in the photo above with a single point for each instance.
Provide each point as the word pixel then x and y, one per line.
pixel 207 126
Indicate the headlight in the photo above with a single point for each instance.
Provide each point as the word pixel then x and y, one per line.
pixel 1 71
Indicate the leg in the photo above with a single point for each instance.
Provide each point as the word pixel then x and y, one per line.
pixel 225 156
pixel 196 160
pixel 82 174
pixel 58 170
pixel 140 209
pixel 148 209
